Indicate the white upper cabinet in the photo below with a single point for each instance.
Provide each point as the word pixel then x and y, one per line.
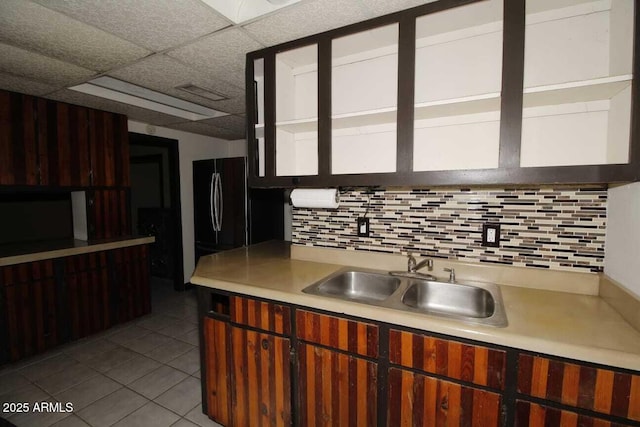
pixel 458 69
pixel 364 96
pixel 577 82
pixel 297 112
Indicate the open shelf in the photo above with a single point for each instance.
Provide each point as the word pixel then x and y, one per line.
pixel 572 92
pixel 299 125
pixel 364 118
pixel 458 106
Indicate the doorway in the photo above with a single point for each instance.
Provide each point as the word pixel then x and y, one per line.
pixel 155 204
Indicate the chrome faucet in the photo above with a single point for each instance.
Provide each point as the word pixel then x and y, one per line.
pixel 452 274
pixel 413 267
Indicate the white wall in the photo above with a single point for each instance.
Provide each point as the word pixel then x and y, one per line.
pixel 191 147
pixel 622 248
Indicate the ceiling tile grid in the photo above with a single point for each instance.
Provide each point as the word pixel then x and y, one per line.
pixel 47 46
pixel 222 53
pixel 156 25
pixel 163 74
pixel 33 27
pixel 308 18
pixel 41 68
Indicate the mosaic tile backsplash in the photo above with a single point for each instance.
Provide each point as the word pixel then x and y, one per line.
pixel 553 228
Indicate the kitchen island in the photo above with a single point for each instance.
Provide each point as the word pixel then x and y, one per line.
pixel 563 354
pixel 58 291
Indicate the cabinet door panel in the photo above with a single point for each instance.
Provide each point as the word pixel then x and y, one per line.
pixel 18 151
pixel 218 374
pixel 63 137
pixel 261 314
pixel 343 334
pixel 30 308
pixel 109 149
pixel 131 286
pixel 108 214
pixel 601 390
pixel 261 379
pixel 336 388
pixel 466 362
pixel 534 415
pixel 418 400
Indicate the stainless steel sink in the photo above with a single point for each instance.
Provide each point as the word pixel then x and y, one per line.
pixel 450 298
pixel 478 303
pixel 356 285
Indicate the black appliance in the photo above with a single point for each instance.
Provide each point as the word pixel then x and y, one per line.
pixel 229 215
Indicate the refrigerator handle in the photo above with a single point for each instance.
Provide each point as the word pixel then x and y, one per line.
pixel 216 201
pixel 211 201
pixel 220 202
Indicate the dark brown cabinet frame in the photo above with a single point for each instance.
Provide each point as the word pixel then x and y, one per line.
pixel 208 307
pixel 509 170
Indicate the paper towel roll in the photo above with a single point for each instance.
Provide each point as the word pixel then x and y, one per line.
pixel 315 198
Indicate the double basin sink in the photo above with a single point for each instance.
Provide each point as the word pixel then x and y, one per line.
pixel 480 303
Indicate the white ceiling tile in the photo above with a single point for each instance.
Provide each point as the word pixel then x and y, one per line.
pixel 22 85
pixel 231 122
pixel 162 73
pixel 42 68
pixel 203 128
pixel 305 19
pixel 33 27
pixel 154 24
pixel 133 113
pixel 233 105
pixel 383 7
pixel 222 53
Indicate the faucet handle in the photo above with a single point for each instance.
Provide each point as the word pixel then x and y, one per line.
pixel 411 263
pixel 452 274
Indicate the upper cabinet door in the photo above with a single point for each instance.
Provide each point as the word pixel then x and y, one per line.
pixel 458 80
pixel 296 119
pixel 577 82
pixel 18 150
pixel 364 100
pixel 109 148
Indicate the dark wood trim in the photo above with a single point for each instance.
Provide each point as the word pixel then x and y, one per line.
pixel 174 186
pixel 406 93
pixel 634 141
pixel 512 83
pixel 325 140
pixel 270 115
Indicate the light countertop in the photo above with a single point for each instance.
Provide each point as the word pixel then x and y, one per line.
pixel 582 327
pixel 37 251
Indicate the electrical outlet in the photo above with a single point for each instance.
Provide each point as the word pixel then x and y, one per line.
pixel 363 227
pixel 491 235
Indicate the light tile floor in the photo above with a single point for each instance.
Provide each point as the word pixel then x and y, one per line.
pixel 143 373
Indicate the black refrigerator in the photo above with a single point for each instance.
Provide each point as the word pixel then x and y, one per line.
pixel 228 214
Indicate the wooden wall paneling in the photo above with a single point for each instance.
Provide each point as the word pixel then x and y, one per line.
pixel 218 374
pixel 419 400
pixel 18 144
pixel 339 333
pixel 466 362
pixel 121 150
pixel 336 388
pixel 261 314
pixel 605 391
pixel 261 379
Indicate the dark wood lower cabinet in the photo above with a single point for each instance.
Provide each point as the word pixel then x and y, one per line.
pixel 352 372
pixel 260 378
pixel 336 389
pixel 29 309
pixel 419 400
pixel 46 303
pixel 87 294
pixel 218 373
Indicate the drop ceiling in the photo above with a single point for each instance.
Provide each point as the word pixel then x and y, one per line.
pixel 48 46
